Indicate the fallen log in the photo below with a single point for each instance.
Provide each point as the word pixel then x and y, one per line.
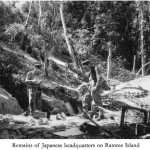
pixel 57 61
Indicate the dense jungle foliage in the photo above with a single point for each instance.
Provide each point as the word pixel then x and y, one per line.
pixel 92 26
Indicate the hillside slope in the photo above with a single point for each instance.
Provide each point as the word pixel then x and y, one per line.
pixel 8 104
pixel 21 63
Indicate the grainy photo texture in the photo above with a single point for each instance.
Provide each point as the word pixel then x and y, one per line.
pixel 75 70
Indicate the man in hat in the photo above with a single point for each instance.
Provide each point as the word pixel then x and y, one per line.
pixel 33 81
pixel 96 85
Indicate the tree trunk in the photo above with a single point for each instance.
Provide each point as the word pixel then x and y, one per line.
pixel 109 61
pixel 28 15
pixel 142 43
pixel 40 13
pixel 78 60
pixel 65 35
pixel 141 23
pixel 25 26
pixel 45 61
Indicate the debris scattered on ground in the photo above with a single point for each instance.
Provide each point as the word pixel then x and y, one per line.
pixel 26 127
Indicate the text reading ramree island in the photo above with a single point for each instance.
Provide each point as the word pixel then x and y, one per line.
pixel 74 145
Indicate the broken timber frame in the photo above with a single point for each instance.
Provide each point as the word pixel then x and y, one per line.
pixel 125 108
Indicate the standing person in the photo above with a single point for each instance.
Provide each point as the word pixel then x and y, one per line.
pixel 96 86
pixel 85 97
pixel 34 92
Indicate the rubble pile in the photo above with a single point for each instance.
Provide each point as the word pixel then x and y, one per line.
pixel 25 129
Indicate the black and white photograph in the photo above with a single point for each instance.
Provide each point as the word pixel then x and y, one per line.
pixel 75 70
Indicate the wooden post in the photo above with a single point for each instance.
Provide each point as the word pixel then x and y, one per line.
pixel 109 61
pixel 123 115
pixel 134 60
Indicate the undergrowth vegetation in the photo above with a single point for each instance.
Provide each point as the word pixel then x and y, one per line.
pixel 35 28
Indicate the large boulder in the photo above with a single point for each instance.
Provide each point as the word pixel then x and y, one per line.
pixel 54 105
pixel 8 104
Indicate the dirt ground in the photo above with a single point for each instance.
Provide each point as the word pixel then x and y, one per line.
pixel 68 127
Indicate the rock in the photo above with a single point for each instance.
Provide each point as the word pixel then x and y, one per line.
pixel 63 115
pixel 7 118
pixel 60 127
pixel 43 121
pixel 8 104
pixel 52 105
pixel 4 125
pixel 39 114
pixel 59 117
pixel 23 130
pixel 12 135
pixel 47 135
pixel 4 134
pixel 15 129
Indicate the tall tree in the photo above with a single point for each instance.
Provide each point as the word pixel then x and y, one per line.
pixel 39 19
pixel 27 20
pixel 142 37
pixel 65 35
pixel 26 25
